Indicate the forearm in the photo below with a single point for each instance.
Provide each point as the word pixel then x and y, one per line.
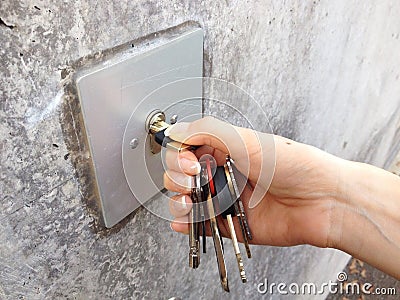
pixel 366 219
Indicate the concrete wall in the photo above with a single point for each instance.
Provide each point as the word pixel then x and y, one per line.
pixel 326 71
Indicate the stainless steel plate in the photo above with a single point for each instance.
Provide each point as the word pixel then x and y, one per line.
pixel 166 75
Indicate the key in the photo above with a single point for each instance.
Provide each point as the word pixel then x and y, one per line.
pixel 219 190
pixel 208 190
pixel 239 208
pixel 157 132
pixel 167 142
pixel 203 225
pixel 194 234
pixel 227 210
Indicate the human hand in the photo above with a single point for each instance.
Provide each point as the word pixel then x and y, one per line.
pixel 295 202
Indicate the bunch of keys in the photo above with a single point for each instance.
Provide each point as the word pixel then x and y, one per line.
pixel 214 192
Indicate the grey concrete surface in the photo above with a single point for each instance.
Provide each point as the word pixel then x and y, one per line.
pixel 325 71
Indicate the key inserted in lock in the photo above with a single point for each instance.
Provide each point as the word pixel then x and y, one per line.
pixel 220 194
pixel 156 126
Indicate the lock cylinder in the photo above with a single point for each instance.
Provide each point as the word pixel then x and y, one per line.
pixel 155 122
pixel 155 127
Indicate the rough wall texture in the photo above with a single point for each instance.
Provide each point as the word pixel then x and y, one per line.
pixel 326 71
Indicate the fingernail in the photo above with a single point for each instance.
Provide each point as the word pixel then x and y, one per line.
pixel 170 226
pixel 180 204
pixel 190 166
pixel 183 203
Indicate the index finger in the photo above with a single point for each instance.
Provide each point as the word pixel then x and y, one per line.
pixel 184 162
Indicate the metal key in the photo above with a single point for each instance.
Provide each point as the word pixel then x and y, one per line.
pixel 194 233
pixel 207 201
pixel 238 205
pixel 227 210
pixel 209 190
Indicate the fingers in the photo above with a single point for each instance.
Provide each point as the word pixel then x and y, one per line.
pixel 180 205
pixel 244 145
pixel 177 182
pixel 184 162
pixel 181 225
pixel 219 155
pixel 211 132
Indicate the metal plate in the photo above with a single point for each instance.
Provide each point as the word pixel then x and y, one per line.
pixel 139 83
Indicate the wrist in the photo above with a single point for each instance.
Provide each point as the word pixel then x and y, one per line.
pixel 366 215
pixel 349 206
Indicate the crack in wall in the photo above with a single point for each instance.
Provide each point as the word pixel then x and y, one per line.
pixel 3 23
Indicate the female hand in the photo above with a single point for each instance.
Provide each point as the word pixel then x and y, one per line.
pixel 312 197
pixel 298 206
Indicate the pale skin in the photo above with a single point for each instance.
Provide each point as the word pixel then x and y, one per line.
pixel 314 198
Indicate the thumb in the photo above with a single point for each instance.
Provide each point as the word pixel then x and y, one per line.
pixel 244 145
pixel 212 132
